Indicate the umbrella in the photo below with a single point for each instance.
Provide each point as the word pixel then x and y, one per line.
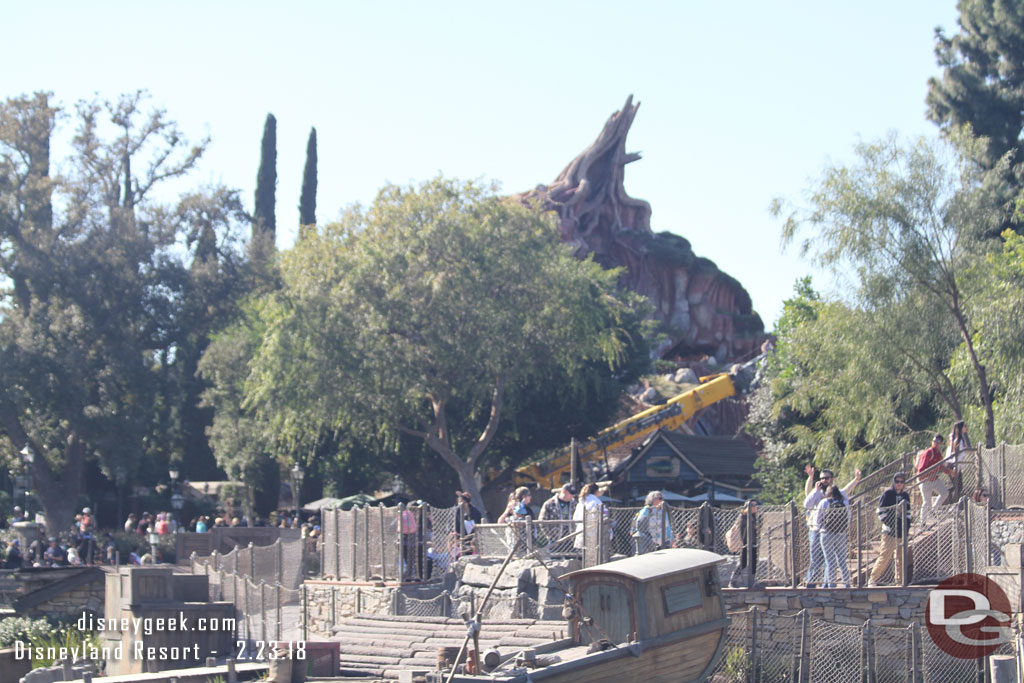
pixel 671 497
pixel 720 497
pixel 342 503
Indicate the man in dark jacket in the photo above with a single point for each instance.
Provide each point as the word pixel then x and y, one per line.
pixel 894 526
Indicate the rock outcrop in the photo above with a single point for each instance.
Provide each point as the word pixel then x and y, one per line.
pixel 704 311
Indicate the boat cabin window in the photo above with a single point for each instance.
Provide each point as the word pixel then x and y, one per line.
pixel 679 597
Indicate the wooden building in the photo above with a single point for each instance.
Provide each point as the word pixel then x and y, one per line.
pixel 687 465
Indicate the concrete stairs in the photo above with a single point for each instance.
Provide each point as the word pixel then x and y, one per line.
pixel 382 645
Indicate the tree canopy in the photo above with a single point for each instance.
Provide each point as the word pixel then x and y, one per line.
pixel 95 320
pixel 437 313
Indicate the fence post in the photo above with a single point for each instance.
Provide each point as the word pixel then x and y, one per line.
pixel 263 610
pixel 803 675
pixel 988 533
pixel 305 613
pixel 707 521
pixel 352 519
pixel 529 535
pixel 1002 475
pixel 793 546
pixel 915 644
pixel 278 611
pixel 280 560
pixel 403 561
pixel 191 560
pixel 394 602
pixel 860 547
pixel 383 545
pixel 965 509
pixel 221 573
pixel 754 654
pixel 252 561
pixel 248 612
pixel 750 549
pixel 901 523
pixel 867 667
pixel 366 542
pixel 446 604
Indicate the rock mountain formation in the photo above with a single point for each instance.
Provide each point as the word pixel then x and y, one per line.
pixel 703 310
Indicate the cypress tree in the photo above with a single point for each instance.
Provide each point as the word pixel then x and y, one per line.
pixel 264 224
pixel 307 200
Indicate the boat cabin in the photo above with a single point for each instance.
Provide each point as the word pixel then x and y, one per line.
pixel 643 597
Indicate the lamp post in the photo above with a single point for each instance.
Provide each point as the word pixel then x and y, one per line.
pixel 119 476
pixel 297 476
pixel 28 455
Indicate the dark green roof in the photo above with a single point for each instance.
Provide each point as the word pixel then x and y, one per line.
pixel 715 457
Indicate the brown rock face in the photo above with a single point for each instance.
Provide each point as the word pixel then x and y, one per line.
pixel 703 309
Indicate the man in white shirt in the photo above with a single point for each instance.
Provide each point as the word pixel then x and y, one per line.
pixel 814 495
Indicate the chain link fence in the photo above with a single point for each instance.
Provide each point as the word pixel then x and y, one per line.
pixel 279 563
pixel 263 610
pixel 761 647
pixel 1001 473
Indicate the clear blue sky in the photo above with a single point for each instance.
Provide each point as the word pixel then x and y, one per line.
pixel 740 102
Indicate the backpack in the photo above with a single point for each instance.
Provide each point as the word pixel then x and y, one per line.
pixel 835 522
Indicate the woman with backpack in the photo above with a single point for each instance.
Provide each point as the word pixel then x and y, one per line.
pixel 833 521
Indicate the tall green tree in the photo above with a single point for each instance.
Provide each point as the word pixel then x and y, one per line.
pixel 307 200
pixel 906 224
pixel 435 299
pixel 90 320
pixel 264 227
pixel 982 82
pixel 982 87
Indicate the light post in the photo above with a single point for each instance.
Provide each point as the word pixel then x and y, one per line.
pixel 28 455
pixel 120 476
pixel 297 476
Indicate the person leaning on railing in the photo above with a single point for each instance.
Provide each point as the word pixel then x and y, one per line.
pixel 958 443
pixel 893 529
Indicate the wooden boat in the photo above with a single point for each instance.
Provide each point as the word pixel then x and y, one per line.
pixel 654 618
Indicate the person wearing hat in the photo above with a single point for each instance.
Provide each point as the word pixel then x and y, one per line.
pixel 893 529
pixel 18 516
pixel 560 506
pixel 54 555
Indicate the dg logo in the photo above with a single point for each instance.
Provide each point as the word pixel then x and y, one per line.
pixel 969 616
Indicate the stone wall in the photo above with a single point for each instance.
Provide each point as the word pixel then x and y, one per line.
pixel 72 603
pixel 884 606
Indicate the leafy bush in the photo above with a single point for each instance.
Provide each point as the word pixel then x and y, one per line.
pixel 67 637
pixel 34 631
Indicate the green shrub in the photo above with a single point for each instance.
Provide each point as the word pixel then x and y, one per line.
pixel 68 637
pixel 28 630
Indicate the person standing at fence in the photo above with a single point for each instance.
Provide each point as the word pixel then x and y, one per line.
pixel 740 577
pixel 815 493
pixel 559 507
pixel 408 528
pixel 652 529
pixel 466 519
pixel 588 502
pixel 833 521
pixel 932 487
pixel 958 443
pixel 893 529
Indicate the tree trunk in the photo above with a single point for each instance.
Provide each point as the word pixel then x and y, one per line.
pixel 469 480
pixel 979 369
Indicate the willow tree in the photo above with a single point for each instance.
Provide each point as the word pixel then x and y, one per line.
pixel 433 313
pixel 906 223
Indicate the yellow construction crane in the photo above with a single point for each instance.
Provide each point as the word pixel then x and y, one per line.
pixel 556 471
